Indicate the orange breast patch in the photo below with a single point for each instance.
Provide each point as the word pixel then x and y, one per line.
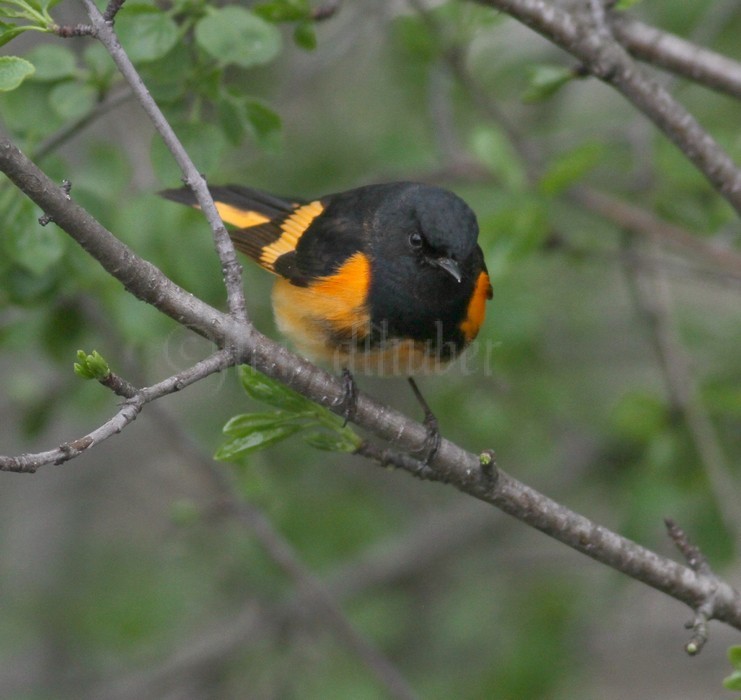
pixel 476 308
pixel 312 317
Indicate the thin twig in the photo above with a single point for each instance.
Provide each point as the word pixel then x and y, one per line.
pixel 231 268
pixel 655 301
pixel 645 223
pixel 684 58
pixel 112 9
pixel 29 463
pixel 71 130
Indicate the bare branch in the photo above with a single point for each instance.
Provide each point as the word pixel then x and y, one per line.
pixel 29 463
pixel 231 268
pixel 608 61
pixel 655 301
pixel 69 131
pixel 677 55
pixel 637 220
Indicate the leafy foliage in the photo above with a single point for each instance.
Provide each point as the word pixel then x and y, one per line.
pixel 566 382
pixel 249 432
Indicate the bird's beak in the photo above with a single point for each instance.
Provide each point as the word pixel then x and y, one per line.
pixel 450 266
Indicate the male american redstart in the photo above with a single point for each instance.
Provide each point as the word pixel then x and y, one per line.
pixel 382 279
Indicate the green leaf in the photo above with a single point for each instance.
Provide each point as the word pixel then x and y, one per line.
pixel 305 35
pixel 33 247
pixel 238 448
pixel 273 393
pixel 98 61
pixel 734 656
pixel 284 10
pixel 570 168
pixel 53 62
pixel 146 32
pixel 10 13
pixel 13 71
pixel 234 35
pixel 72 100
pixel 625 4
pixel 415 38
pixel 640 417
pixel 733 682
pixel 493 147
pixel 340 441
pixel 517 229
pixel 545 81
pixel 42 5
pixel 246 423
pixel 266 124
pixel 27 111
pixel 10 31
pixel 232 118
pixel 205 144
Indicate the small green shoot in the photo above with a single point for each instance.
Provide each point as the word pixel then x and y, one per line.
pixel 93 366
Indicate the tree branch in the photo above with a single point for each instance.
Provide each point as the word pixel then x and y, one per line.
pixel 231 268
pixel 29 463
pixel 451 464
pixel 607 60
pixel 677 55
pixel 640 221
pixel 655 301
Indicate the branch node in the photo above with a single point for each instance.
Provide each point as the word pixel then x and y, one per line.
pixel 69 31
pixel 66 187
pixel 698 562
pixel 488 461
pixel 74 448
pixel 119 385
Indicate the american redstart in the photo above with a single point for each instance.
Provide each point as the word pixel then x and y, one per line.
pixel 384 279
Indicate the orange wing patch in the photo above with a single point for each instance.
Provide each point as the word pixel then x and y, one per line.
pixel 476 308
pixel 239 217
pixel 291 230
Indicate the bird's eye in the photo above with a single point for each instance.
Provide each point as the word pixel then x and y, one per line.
pixel 415 240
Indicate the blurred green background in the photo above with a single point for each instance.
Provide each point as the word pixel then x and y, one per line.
pixel 121 577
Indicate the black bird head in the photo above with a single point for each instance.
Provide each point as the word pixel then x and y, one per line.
pixel 428 225
pixel 424 240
